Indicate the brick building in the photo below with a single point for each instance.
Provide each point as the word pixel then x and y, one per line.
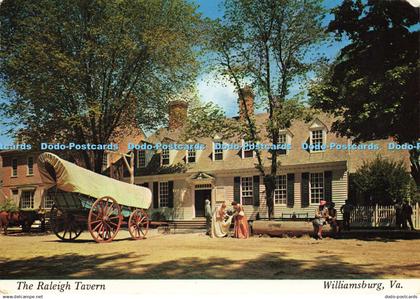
pixel 21 180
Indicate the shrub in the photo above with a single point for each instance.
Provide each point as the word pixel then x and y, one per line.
pixel 384 181
pixel 9 206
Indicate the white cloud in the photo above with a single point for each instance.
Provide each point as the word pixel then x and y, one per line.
pixel 223 93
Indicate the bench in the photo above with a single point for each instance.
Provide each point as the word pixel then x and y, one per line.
pixel 288 217
pixel 295 216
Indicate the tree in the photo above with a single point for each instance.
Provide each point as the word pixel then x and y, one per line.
pixel 373 86
pixel 265 44
pixel 85 71
pixel 383 181
pixel 206 119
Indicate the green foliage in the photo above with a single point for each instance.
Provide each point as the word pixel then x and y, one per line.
pixel 206 120
pixel 384 181
pixel 373 85
pixel 265 45
pixel 82 71
pixel 9 206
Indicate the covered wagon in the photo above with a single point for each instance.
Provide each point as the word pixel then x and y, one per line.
pixel 84 199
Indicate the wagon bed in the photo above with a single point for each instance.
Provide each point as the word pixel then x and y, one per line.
pixel 84 199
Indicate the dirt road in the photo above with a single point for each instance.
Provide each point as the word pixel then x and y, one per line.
pixel 194 255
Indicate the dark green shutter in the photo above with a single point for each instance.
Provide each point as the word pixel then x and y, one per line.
pixel 304 189
pixel 328 186
pixel 171 194
pixel 155 195
pixel 256 190
pixel 290 190
pixel 145 185
pixel 237 189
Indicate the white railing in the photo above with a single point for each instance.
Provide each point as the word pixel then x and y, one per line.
pixel 380 216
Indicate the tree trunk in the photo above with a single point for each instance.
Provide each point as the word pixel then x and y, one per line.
pixel 415 167
pixel 98 158
pixel 270 185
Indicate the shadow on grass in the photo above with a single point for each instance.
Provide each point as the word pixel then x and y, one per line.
pixel 274 265
pixel 379 235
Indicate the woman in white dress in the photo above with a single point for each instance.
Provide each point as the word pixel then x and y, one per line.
pixel 220 226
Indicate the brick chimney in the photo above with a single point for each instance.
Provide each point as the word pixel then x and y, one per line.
pixel 249 103
pixel 177 114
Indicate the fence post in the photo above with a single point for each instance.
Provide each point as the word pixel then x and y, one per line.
pixel 376 213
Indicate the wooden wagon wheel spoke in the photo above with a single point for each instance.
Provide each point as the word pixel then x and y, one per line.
pixel 138 224
pixel 107 229
pixel 64 224
pixel 114 224
pixel 96 227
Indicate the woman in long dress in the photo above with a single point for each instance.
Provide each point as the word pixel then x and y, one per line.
pixel 241 222
pixel 220 225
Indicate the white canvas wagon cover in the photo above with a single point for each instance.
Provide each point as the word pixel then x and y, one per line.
pixel 72 178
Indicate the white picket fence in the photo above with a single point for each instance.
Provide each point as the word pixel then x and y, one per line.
pixel 380 216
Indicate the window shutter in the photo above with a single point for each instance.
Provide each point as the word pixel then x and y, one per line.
pixel 237 189
pixel 304 185
pixel 256 190
pixel 290 190
pixel 155 195
pixel 328 186
pixel 171 194
pixel 145 185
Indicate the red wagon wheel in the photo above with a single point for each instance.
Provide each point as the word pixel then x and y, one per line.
pixel 138 224
pixel 104 219
pixel 64 224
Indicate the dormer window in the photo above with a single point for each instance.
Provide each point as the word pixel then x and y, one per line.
pixel 317 140
pixel 283 142
pixel 191 155
pixel 218 150
pixel 165 157
pixel 246 151
pixel 318 136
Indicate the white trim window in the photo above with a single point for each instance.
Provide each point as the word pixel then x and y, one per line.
pixel 218 153
pixel 280 192
pixel 27 199
pixel 163 194
pixel 165 157
pixel 317 140
pixel 191 155
pixel 316 187
pixel 30 166
pixel 283 141
pixel 141 158
pixel 105 160
pixel 48 200
pixel 14 168
pixel 247 190
pixel 246 153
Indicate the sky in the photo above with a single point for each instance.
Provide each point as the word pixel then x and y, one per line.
pixel 223 93
pixel 210 89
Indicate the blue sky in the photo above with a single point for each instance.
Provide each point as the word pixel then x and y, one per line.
pixel 222 93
